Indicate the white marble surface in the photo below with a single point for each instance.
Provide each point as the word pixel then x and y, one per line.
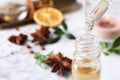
pixel 22 66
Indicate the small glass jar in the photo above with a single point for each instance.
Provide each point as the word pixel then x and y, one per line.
pixel 86 64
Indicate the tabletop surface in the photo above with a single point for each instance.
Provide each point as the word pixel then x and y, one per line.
pixel 22 65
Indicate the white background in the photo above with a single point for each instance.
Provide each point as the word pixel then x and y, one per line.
pixel 21 65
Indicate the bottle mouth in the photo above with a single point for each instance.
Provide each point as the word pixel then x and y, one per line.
pixel 85 38
pixel 87 45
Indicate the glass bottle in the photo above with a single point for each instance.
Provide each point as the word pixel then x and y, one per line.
pixel 86 64
pixel 98 12
pixel 13 10
pixel 46 2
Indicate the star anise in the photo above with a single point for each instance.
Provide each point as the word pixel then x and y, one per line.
pixel 59 63
pixel 20 39
pixel 41 35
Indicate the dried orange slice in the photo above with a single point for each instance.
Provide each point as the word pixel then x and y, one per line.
pixel 48 16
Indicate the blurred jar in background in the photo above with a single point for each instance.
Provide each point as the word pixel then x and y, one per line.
pixel 108 27
pixel 46 2
pixel 12 10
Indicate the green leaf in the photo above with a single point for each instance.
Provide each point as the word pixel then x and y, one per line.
pixel 40 58
pixel 46 58
pixel 115 48
pixel 39 62
pixel 64 25
pixel 105 45
pixel 106 53
pixel 111 49
pixel 37 55
pixel 117 51
pixel 70 36
pixel 116 43
pixel 58 31
pixel 51 53
pixel 55 40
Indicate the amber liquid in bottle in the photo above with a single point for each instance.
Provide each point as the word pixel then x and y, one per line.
pixel 85 73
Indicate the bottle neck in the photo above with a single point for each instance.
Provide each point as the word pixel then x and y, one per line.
pixel 87 49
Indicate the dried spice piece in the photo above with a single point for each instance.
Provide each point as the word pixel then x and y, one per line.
pixel 42 47
pixel 20 39
pixel 17 28
pixel 59 63
pixel 31 51
pixel 41 35
pixel 28 46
